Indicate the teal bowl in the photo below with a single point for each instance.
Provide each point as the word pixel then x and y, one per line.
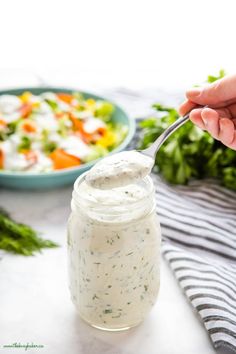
pixel 53 179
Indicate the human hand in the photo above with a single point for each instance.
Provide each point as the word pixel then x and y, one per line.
pixel 220 119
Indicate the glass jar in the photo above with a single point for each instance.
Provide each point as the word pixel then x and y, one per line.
pixel 114 253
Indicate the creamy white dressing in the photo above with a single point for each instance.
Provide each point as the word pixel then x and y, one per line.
pixel 49 96
pixel 82 114
pixel 44 108
pixel 9 107
pixel 63 106
pixel 13 140
pixel 43 163
pixel 91 125
pixel 12 117
pixel 53 97
pixel 9 104
pixel 75 146
pixel 35 99
pixel 46 121
pixel 17 162
pixel 114 243
pixel 119 170
pixel 13 160
pixel 54 137
pixel 130 194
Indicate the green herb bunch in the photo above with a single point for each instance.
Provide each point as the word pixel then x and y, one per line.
pixel 190 152
pixel 20 238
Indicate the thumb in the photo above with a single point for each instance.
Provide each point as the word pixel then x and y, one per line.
pixel 216 93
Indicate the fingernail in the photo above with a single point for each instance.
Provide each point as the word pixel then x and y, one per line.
pixel 194 92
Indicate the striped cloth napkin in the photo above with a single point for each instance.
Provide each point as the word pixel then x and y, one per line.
pixel 198 226
pixel 199 239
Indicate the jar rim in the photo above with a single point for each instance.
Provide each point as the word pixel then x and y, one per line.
pixel 147 180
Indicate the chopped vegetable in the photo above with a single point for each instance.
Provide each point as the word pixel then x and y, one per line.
pixel 65 97
pixel 104 110
pixel 25 110
pixel 49 146
pixel 107 140
pixel 29 126
pixel 3 124
pixel 190 152
pixel 1 159
pixel 24 144
pixel 31 156
pixel 63 160
pixel 20 238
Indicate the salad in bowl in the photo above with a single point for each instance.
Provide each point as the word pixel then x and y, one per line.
pixel 54 131
pixel 56 134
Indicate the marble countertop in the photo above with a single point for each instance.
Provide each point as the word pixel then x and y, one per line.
pixel 35 303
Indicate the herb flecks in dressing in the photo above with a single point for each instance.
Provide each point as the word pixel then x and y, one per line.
pixel 115 242
pixel 120 170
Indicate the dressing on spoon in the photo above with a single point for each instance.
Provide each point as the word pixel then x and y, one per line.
pixel 128 167
pixel 119 170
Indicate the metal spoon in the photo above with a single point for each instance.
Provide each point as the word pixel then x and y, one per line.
pixel 153 149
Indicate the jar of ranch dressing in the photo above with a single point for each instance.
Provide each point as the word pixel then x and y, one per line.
pixel 114 252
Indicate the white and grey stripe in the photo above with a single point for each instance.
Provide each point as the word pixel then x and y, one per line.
pixel 198 226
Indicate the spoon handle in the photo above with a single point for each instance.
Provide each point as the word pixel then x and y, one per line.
pixel 152 149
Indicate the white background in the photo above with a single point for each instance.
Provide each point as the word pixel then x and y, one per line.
pixel 104 43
